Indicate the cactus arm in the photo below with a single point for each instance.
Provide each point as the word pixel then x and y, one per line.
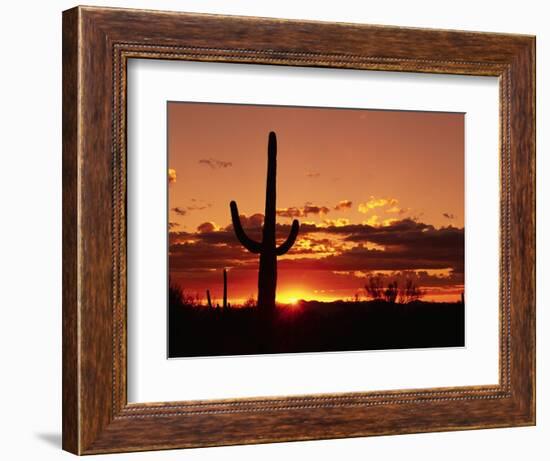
pixel 247 242
pixel 287 245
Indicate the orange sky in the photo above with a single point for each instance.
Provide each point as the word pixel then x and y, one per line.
pixel 375 192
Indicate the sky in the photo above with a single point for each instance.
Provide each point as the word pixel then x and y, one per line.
pixel 376 192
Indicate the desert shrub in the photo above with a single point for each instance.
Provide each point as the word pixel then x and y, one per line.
pixel 374 287
pixel 175 294
pixel 402 291
pixel 391 292
pixel 250 302
pixel 409 292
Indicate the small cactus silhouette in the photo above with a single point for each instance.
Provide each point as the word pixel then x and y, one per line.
pixel 267 249
pixel 209 298
pixel 224 288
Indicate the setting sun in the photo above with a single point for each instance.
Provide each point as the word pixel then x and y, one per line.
pixel 287 299
pixel 292 297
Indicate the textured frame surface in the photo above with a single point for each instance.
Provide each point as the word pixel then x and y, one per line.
pixel 97 43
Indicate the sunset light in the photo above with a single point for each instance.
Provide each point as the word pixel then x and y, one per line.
pixel 364 207
pixel 296 229
pixel 291 297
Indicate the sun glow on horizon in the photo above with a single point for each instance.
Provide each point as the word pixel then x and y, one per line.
pixel 293 297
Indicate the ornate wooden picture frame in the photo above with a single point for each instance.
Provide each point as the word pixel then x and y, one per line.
pixel 97 44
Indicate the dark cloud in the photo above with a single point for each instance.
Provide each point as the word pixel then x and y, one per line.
pixel 182 211
pixel 179 210
pixel 449 215
pixel 290 212
pixel 313 209
pixel 198 207
pixel 215 164
pixel 405 245
pixel 299 212
pixel 179 236
pixel 206 227
pixel 172 225
pixel 343 205
pixel 254 221
pixel 200 255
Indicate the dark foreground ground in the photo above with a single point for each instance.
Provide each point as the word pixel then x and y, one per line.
pixel 313 327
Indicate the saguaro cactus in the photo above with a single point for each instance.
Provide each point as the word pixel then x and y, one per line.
pixel 224 288
pixel 209 298
pixel 267 248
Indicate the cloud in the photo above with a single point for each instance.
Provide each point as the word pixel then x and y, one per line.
pixel 336 222
pixel 372 221
pixel 215 164
pixel 314 246
pixel 306 210
pixel 395 258
pixel 396 209
pixel 179 236
pixel 405 244
pixel 313 209
pixel 171 175
pixel 171 225
pixel 290 212
pixel 253 221
pixel 332 246
pixel 420 278
pixel 198 207
pixel 449 215
pixel 206 227
pixel 313 174
pixel 374 202
pixel 182 211
pixel 343 204
pixel 179 210
pixel 193 257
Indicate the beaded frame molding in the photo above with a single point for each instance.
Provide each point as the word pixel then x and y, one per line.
pixel 97 43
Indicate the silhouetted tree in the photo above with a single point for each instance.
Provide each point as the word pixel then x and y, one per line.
pixel 404 291
pixel 374 287
pixel 391 292
pixel 409 292
pixel 175 294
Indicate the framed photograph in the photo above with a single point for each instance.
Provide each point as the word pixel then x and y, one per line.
pixel 281 230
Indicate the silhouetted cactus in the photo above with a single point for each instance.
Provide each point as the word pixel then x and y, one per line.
pixel 208 297
pixel 267 249
pixel 224 288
